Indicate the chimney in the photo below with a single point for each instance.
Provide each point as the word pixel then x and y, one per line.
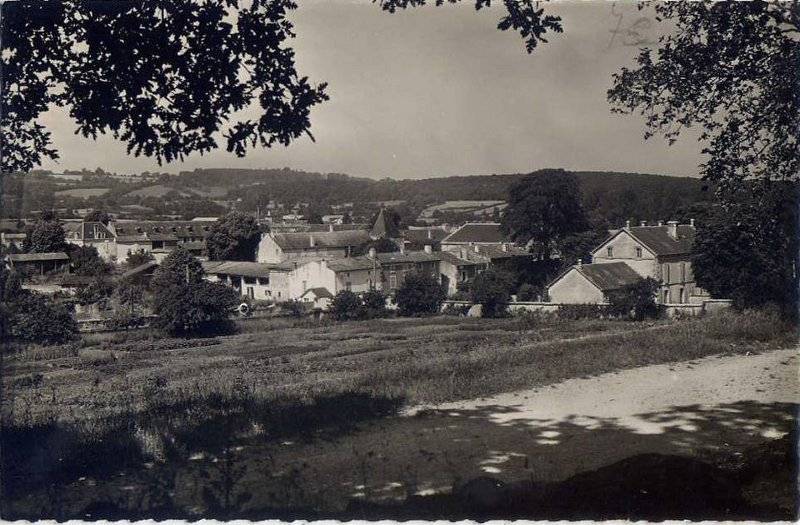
pixel 642 223
pixel 627 225
pixel 672 229
pixel 372 252
pixel 311 240
pixel 691 223
pixel 428 248
pixel 580 263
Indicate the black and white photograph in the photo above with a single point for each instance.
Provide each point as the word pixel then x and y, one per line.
pixel 399 260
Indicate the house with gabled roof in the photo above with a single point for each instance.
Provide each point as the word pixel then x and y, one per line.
pixel 474 234
pixel 94 234
pixel 590 283
pixel 279 247
pixel 660 251
pixel 318 297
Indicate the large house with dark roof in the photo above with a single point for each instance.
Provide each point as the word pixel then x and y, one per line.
pixel 660 251
pixel 279 247
pixel 472 234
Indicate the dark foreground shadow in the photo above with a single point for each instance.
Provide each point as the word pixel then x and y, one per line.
pixel 346 458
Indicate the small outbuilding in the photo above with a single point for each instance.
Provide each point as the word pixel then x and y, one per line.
pixel 38 263
pixel 590 283
pixel 320 297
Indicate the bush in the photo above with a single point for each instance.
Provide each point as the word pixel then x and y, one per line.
pixel 98 289
pixel 34 318
pixel 459 310
pixel 374 304
pixel 420 294
pixel 527 292
pixel 635 301
pixel 138 258
pixel 347 306
pixel 125 321
pixel 575 312
pixel 492 290
pixel 197 308
pixel 294 308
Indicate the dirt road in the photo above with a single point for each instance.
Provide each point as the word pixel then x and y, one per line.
pixel 547 434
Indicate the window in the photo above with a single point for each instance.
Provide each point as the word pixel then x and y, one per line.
pixel 250 292
pixel 666 295
pixel 666 272
pixel 682 295
pixel 638 252
pixel 348 286
pixel 683 272
pixel 392 280
pixel 610 251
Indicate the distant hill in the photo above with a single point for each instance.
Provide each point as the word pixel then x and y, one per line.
pixel 609 197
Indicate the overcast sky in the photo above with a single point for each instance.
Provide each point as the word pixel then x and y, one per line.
pixel 440 91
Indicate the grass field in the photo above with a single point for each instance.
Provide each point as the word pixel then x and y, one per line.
pixel 116 402
pixel 83 193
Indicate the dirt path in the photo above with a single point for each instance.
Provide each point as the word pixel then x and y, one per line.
pixel 546 434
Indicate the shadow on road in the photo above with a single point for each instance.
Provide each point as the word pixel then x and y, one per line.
pixel 688 462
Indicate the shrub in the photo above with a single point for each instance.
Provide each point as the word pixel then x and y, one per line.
pixel 125 321
pixel 138 258
pixel 374 304
pixel 196 308
pixel 420 294
pixel 459 310
pixel 34 318
pixel 294 308
pixel 491 289
pixel 527 292
pixel 86 261
pixel 347 306
pixel 98 289
pixel 635 301
pixel 574 312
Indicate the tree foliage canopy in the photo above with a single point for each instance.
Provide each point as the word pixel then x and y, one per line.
pixel 234 237
pixel 420 294
pixel 747 248
pixel 492 290
pixel 544 208
pixel 729 69
pixel 162 76
pixel 45 236
pixel 165 77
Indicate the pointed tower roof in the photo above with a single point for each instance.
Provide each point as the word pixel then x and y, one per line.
pixel 382 226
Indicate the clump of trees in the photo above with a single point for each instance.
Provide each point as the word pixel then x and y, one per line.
pixel 186 304
pixel 138 258
pixel 234 237
pixel 45 236
pixel 30 317
pixel 635 301
pixel 349 306
pixel 492 290
pixel 747 247
pixel 420 294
